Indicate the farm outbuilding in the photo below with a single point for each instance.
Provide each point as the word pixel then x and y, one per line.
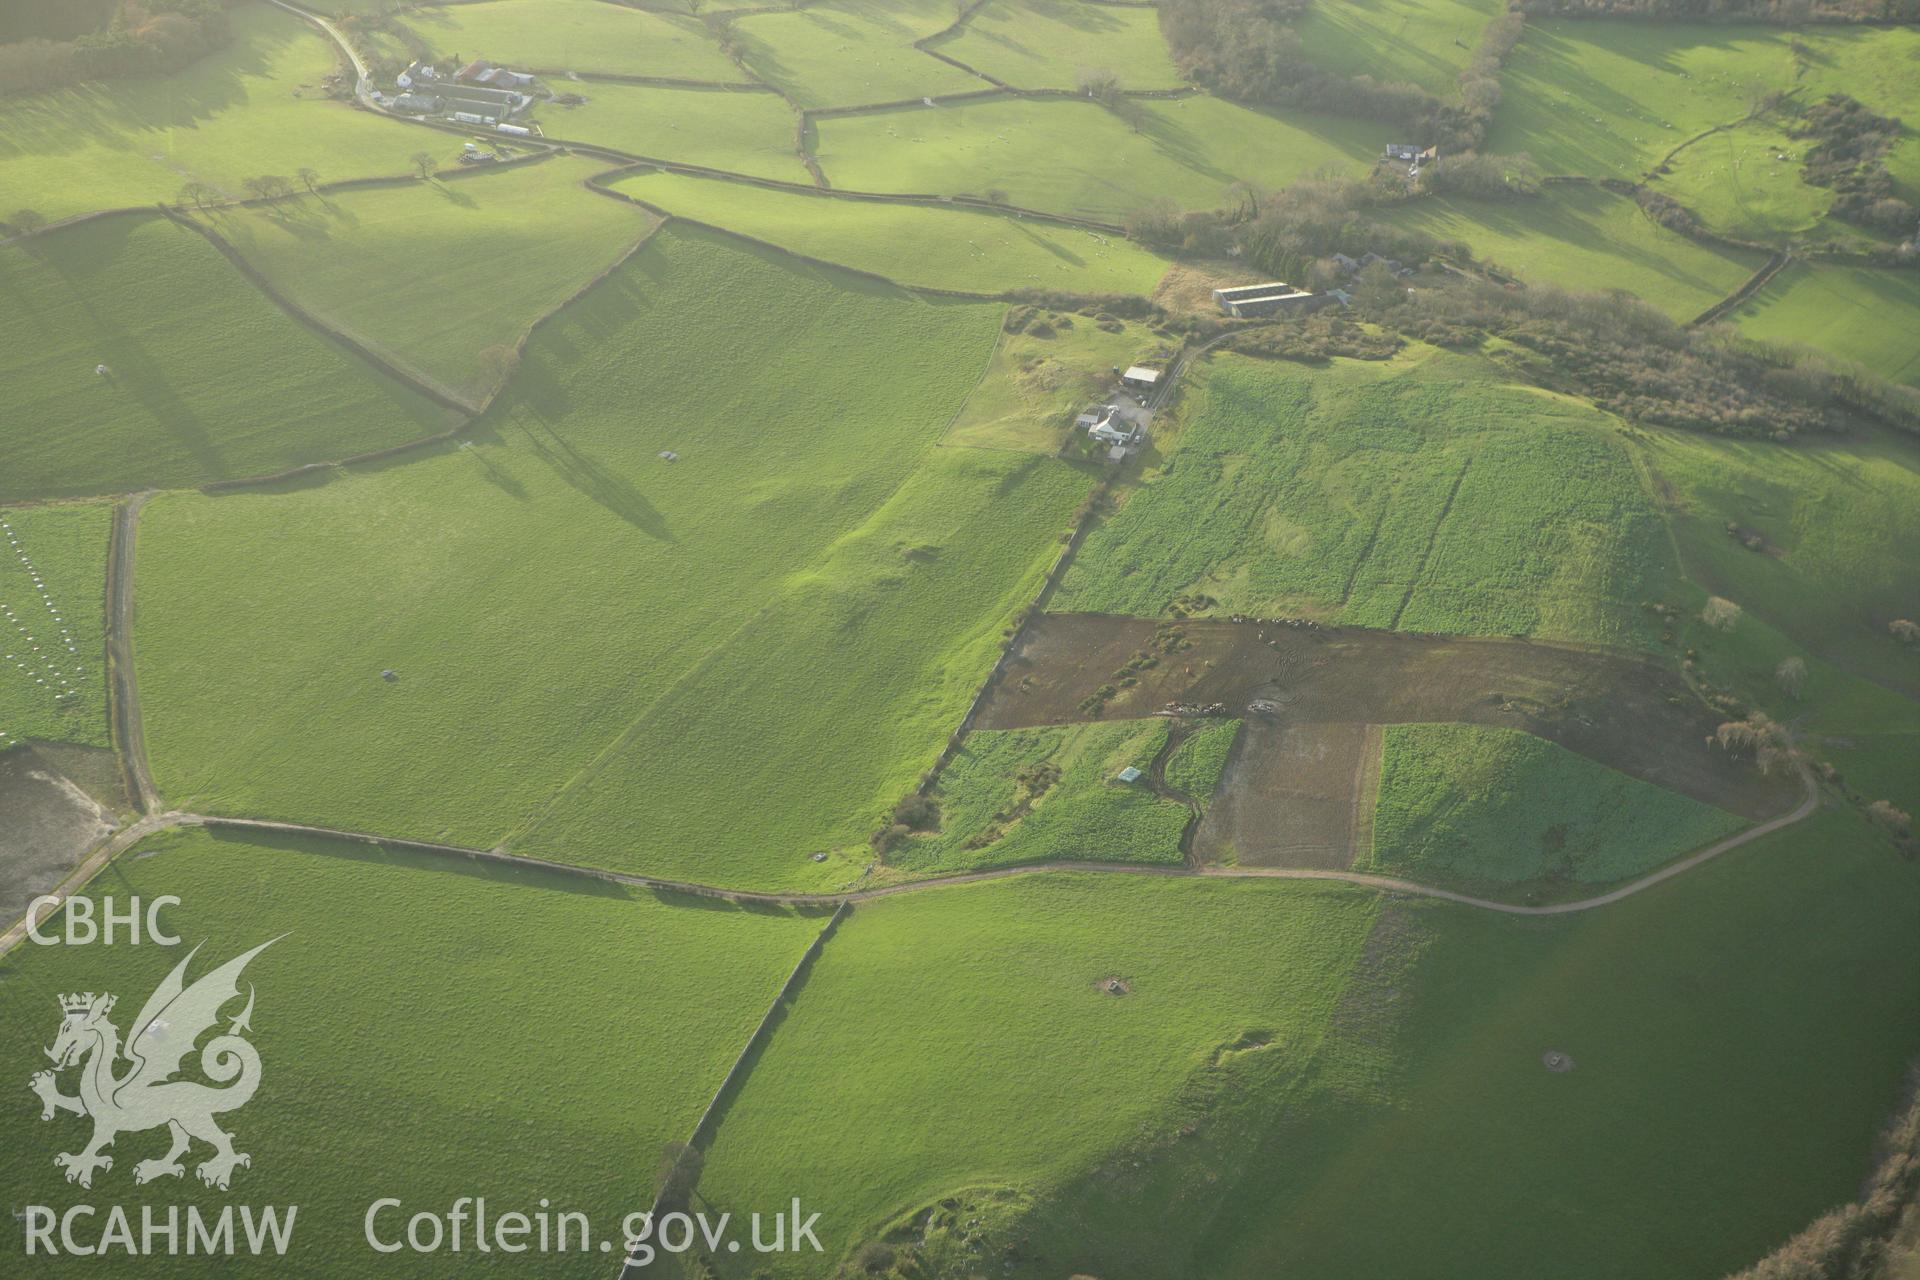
pixel 1242 301
pixel 1141 378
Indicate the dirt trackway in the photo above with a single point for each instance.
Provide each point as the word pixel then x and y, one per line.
pixel 149 825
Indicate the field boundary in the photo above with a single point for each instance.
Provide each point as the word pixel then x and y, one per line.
pixel 1754 284
pixel 121 841
pixel 125 729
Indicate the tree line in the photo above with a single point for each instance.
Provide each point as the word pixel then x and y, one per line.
pixel 130 38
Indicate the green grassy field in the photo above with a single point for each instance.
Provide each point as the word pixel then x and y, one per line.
pixel 1049 44
pixel 993 996
pixel 1586 238
pixel 575 35
pixel 393 266
pixel 1420 493
pixel 998 809
pixel 736 130
pixel 943 248
pixel 560 603
pixel 1854 313
pixel 1304 1082
pixel 1196 765
pixel 207 379
pixel 1839 523
pixel 53 679
pixel 1475 807
pixel 1042 377
pixel 842 53
pixel 1069 156
pixel 405 997
pixel 1612 99
pixel 1420 42
pixel 1745 182
pixel 254 108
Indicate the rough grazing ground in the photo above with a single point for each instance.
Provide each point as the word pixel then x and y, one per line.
pixel 942 248
pixel 990 818
pixel 393 265
pixel 53 680
pixel 207 379
pixel 1419 494
pixel 255 107
pixel 1853 313
pixel 487 990
pixel 558 600
pixel 1473 806
pixel 1301 1082
pixel 1043 377
pixel 1587 238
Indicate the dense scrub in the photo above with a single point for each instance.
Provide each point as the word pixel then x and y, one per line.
pixel 1850 144
pixel 148 37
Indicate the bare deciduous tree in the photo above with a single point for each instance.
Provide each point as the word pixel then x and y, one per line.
pixel 1791 676
pixel 423 163
pixel 1720 613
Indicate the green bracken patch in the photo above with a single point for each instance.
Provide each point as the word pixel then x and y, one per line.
pixel 1476 807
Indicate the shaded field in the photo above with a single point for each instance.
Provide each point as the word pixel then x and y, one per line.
pixel 844 53
pixel 1853 313
pixel 575 35
pixel 207 379
pixel 1745 182
pixel 1836 526
pixel 1613 98
pixel 1421 493
pixel 1050 44
pixel 1306 1080
pixel 53 645
pixel 737 130
pixel 1628 714
pixel 1477 807
pixel 1030 795
pixel 253 108
pixel 1421 42
pixel 1075 157
pixel 1586 238
pixel 429 990
pixel 394 265
pixel 943 248
pixel 561 605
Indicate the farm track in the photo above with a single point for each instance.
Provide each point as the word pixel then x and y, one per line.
pixel 123 840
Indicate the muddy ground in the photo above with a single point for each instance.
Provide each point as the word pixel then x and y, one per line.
pixel 1299 776
pixel 48 821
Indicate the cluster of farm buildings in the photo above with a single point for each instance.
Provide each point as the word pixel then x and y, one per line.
pixel 479 93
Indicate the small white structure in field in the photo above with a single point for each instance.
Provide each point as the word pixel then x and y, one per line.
pixel 1128 774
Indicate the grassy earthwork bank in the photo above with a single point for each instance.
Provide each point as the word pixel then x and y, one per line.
pixel 53 575
pixel 205 378
pixel 1304 1079
pixel 927 245
pixel 588 1024
pixel 394 265
pixel 561 605
pixel 1421 493
pixel 844 53
pixel 1052 44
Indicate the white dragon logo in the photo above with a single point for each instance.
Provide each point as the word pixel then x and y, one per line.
pixel 146 1096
